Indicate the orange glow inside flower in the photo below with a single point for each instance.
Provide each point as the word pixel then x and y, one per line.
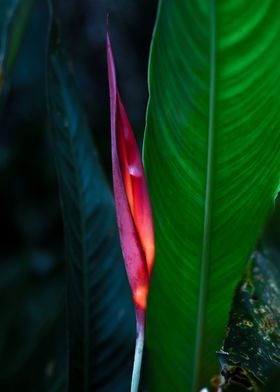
pixel 140 297
pixel 134 214
pixel 135 187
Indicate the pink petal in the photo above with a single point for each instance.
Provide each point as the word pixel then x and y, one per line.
pixel 133 206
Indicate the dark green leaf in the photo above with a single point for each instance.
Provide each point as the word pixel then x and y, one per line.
pixel 14 18
pixel 212 159
pixel 60 383
pixel 251 350
pixel 100 311
pixel 30 309
pixel 273 383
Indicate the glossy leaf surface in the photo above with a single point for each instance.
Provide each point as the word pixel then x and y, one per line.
pixel 100 311
pixel 212 159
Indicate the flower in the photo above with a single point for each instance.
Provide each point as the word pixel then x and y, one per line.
pixel 133 207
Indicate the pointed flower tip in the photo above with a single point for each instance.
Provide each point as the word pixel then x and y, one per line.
pixel 133 205
pixel 108 42
pixel 107 21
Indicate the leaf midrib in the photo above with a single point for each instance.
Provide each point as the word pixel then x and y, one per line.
pixel 207 226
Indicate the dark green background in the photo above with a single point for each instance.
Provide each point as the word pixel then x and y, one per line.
pixel 32 320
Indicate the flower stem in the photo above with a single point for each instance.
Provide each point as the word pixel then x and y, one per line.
pixel 140 324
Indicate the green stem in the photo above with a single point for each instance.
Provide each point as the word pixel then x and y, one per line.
pixel 140 324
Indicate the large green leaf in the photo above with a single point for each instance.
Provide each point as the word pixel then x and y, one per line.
pixel 212 155
pixel 100 312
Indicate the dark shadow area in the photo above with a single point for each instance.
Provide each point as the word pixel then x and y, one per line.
pixel 32 322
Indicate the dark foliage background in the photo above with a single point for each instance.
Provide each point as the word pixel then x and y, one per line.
pixel 32 322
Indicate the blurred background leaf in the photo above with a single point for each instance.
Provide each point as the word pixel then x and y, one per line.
pixel 100 313
pixel 31 241
pixel 15 16
pixel 32 303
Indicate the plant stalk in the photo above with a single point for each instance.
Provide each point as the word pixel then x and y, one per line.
pixel 140 324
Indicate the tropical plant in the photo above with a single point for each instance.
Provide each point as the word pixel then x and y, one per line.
pixel 212 161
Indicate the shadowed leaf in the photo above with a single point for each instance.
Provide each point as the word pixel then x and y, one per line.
pixel 100 311
pixel 15 14
pixel 31 309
